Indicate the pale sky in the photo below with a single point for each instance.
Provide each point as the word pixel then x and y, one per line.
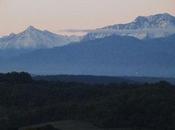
pixel 55 15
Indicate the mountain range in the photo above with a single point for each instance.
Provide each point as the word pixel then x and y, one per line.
pixel 149 27
pixel 112 54
pixel 154 26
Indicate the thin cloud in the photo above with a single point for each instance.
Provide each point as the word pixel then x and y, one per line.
pixel 77 30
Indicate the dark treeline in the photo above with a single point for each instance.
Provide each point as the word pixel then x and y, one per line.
pixel 24 101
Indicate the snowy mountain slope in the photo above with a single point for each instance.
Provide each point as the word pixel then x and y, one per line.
pixel 33 38
pixel 154 26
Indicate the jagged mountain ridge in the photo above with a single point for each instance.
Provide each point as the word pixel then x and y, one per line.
pixel 153 21
pixel 143 27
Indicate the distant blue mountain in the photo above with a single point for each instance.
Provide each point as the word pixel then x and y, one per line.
pixel 113 55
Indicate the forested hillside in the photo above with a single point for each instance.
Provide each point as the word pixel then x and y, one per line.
pixel 25 102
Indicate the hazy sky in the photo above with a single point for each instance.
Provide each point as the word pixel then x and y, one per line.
pixel 55 15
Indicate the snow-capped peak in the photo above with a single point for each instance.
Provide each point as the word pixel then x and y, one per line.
pixel 33 38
